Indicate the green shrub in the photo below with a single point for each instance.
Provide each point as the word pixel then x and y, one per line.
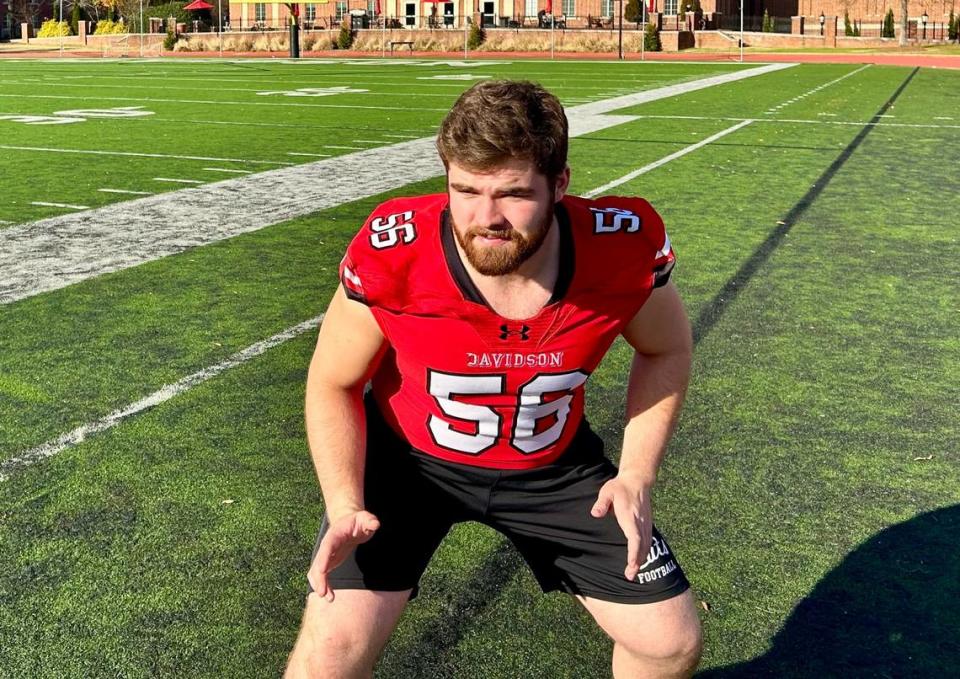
pixel 856 29
pixel 476 37
pixel 307 43
pixel 651 39
pixel 632 12
pixel 847 28
pixel 952 27
pixel 75 18
pixel 345 39
pixel 170 41
pixel 768 22
pixel 52 28
pixel 888 31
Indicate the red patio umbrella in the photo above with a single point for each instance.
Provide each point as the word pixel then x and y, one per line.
pixel 198 4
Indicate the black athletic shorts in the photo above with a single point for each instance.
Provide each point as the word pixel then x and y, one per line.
pixel 545 512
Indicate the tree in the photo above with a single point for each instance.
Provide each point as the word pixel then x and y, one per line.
pixel 632 12
pixel 887 30
pixel 952 27
pixel 847 28
pixel 651 38
pixel 768 23
pixel 903 22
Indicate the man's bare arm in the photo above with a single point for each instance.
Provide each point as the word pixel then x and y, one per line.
pixel 660 336
pixel 349 347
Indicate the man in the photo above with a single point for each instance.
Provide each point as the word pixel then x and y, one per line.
pixel 477 315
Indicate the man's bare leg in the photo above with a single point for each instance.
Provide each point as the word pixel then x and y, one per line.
pixel 343 638
pixel 661 639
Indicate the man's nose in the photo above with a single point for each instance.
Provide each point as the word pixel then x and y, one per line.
pixel 488 213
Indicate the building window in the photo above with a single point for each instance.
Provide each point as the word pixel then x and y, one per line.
pixel 606 8
pixel 670 7
pixel 260 11
pixel 310 13
pixel 569 8
pixel 372 7
pixel 531 8
pixel 341 9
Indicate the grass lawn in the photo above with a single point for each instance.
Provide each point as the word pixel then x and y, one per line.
pixel 812 491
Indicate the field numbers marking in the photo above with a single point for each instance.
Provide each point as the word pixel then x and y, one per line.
pixel 40 120
pixel 315 91
pixel 121 112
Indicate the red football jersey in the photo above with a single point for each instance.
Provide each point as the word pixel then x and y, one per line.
pixel 461 382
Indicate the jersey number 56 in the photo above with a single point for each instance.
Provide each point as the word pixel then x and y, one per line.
pixel 532 408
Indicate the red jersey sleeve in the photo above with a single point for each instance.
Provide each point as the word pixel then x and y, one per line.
pixel 374 269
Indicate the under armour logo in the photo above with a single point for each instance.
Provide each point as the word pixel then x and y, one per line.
pixel 523 331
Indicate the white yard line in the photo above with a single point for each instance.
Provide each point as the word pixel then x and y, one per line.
pixel 69 205
pixel 227 169
pixel 311 155
pixel 224 103
pixel 132 193
pixel 165 393
pixel 666 159
pixel 401 136
pixel 816 89
pixel 59 251
pixel 94 152
pixel 173 180
pixel 345 148
pixel 801 121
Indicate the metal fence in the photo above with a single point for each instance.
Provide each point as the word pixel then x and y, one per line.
pixel 437 22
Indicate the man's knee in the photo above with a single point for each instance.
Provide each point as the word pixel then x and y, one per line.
pixel 680 650
pixel 344 638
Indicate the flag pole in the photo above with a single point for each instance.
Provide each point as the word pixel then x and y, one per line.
pixel 643 28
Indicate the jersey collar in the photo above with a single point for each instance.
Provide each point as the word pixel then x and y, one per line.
pixel 466 284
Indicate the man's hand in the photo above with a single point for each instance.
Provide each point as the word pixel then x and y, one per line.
pixel 630 499
pixel 342 537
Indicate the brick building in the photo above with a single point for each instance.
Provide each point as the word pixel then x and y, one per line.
pixel 576 13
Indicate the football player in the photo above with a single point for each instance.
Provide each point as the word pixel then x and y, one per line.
pixel 476 317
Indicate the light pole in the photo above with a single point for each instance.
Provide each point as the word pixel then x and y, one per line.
pixel 643 28
pixel 620 34
pixel 823 20
pixel 741 30
pixel 924 19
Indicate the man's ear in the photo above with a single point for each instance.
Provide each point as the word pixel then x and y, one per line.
pixel 562 183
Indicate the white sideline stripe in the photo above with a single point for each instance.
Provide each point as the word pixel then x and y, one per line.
pixel 223 103
pixel 227 169
pixel 125 234
pixel 663 161
pixel 74 207
pixel 140 155
pixel 312 155
pixel 347 148
pixel 178 181
pixel 165 393
pixel 133 193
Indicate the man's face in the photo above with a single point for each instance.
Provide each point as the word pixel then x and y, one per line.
pixel 502 216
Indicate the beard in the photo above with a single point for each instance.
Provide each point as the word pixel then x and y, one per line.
pixel 503 258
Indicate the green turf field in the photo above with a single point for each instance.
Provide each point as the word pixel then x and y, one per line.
pixel 812 491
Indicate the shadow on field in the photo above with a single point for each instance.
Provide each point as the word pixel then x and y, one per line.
pixel 891 609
